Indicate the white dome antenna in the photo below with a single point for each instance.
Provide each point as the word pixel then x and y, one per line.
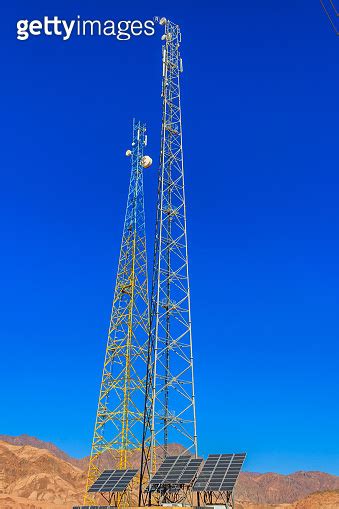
pixel 146 161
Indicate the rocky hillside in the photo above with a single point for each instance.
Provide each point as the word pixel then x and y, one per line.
pixel 13 502
pixel 278 489
pixel 41 444
pixel 324 500
pixel 38 477
pixel 109 460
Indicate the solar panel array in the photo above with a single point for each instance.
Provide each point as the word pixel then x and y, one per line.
pixel 219 473
pixel 175 471
pixel 112 480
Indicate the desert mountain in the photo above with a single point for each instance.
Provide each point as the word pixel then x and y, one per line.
pixel 324 500
pixel 38 477
pixel 40 444
pixel 279 489
pixel 109 460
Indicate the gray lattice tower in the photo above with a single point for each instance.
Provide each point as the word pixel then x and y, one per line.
pixel 170 402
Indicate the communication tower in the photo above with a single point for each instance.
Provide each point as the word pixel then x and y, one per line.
pixel 170 400
pixel 118 427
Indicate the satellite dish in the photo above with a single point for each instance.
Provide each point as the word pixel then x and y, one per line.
pixel 128 153
pixel 146 161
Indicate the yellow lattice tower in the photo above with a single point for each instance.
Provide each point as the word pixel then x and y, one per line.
pixel 119 422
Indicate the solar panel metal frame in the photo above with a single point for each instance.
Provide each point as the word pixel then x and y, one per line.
pixel 175 471
pixel 112 481
pixel 220 472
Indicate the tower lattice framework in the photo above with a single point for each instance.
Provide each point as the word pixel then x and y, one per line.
pixel 119 422
pixel 170 399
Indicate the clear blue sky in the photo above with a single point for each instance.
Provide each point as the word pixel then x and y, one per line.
pixel 260 118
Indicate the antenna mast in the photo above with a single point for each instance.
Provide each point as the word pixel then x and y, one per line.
pixel 170 400
pixel 118 428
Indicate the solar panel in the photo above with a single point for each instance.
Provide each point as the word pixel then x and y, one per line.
pixel 220 472
pixel 112 480
pixel 175 471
